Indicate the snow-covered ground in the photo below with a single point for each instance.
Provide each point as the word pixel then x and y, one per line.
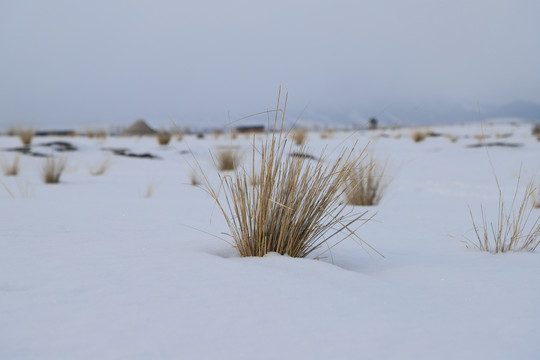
pixel 92 268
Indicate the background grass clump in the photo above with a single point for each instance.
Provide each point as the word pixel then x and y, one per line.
pixel 52 169
pixel 366 184
pixel 227 159
pixel 163 138
pixel 10 168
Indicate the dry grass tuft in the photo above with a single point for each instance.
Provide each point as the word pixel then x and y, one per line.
pixel 419 135
pixel 101 168
pixel 194 179
pixel 480 137
pixel 11 168
pixel 101 134
pixel 26 135
pixel 326 134
pixel 227 160
pixel 295 206
pixel 299 136
pixel 510 231
pixel 163 138
pixel 52 169
pixel 216 133
pixel 366 184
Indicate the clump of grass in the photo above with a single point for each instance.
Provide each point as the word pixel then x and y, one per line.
pixel 163 138
pixel 295 206
pixel 480 137
pixel 227 159
pixel 53 169
pixel 194 179
pixel 101 168
pixel 101 134
pixel 299 136
pixel 510 231
pixel 366 183
pixel 11 168
pixel 12 131
pixel 217 133
pixel 419 135
pixel 326 134
pixel 26 135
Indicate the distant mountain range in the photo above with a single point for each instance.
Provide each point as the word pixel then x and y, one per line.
pixel 426 114
pixel 518 109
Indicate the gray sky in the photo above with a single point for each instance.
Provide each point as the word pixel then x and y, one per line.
pixel 78 63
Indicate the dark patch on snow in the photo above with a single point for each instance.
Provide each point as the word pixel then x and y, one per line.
pixel 302 155
pixel 494 144
pixel 128 153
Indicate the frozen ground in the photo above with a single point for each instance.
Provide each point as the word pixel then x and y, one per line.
pixel 91 268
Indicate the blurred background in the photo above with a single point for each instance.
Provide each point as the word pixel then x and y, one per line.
pixel 68 64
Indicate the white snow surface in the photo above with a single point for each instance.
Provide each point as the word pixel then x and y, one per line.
pixel 92 269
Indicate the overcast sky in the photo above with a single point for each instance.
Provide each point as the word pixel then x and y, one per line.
pixel 66 63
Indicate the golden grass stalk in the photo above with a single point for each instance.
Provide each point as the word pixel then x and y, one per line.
pixel 101 168
pixel 227 159
pixel 11 168
pixel 26 136
pixel 366 184
pixel 510 231
pixel 163 138
pixel 52 169
pixel 295 206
